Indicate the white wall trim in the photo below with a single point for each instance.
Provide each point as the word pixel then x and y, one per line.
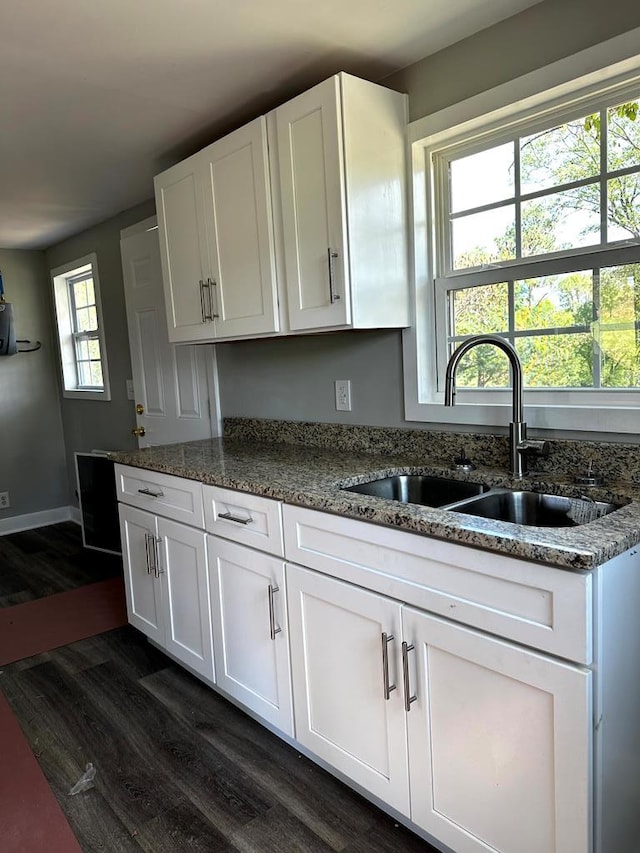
pixel 31 520
pixel 607 61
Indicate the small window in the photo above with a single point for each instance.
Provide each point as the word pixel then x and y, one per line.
pixel 80 330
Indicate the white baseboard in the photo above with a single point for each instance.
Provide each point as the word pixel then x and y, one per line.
pixel 39 519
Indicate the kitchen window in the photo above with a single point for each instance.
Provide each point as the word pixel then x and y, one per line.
pixel 80 329
pixel 529 227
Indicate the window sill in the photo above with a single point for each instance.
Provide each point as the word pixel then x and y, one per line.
pixel 586 418
pixel 72 394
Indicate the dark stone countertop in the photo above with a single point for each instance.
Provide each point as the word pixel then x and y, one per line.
pixel 312 476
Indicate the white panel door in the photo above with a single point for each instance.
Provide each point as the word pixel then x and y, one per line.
pixel 342 712
pixel 183 250
pixel 172 383
pixel 499 742
pixel 235 180
pixel 250 630
pixel 183 570
pixel 309 134
pixel 143 592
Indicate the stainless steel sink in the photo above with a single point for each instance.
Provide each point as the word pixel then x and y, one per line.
pixel 535 509
pixel 419 489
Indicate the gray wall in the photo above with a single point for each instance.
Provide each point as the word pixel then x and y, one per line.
pixel 293 378
pixel 529 40
pixel 32 452
pixel 96 424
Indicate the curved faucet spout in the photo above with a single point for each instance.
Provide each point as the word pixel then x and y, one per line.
pixel 519 446
pixel 514 361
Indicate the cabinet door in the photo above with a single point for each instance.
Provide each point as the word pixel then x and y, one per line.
pixel 499 742
pixel 237 196
pixel 251 636
pixel 183 570
pixel 309 138
pixel 183 251
pixel 144 599
pixel 340 705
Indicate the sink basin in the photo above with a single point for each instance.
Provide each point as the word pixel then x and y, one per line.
pixel 418 489
pixel 535 509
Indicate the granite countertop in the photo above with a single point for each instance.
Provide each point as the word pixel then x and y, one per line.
pixel 311 476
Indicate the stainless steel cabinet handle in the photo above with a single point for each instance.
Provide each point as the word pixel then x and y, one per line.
pixel 386 639
pixel 152 554
pixel 206 314
pixel 151 494
pixel 229 517
pixel 273 628
pixel 147 547
pixel 201 284
pixel 408 698
pixel 211 283
pixel 157 567
pixel 333 296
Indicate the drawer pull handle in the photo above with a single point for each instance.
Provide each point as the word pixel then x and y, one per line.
pixel 273 628
pixel 386 639
pixel 408 698
pixel 229 517
pixel 150 493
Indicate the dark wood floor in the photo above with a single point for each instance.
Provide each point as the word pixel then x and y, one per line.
pixel 41 562
pixel 178 767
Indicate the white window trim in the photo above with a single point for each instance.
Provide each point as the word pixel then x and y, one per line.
pixel 606 66
pixel 66 349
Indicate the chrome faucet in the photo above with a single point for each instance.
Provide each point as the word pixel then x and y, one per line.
pixel 519 444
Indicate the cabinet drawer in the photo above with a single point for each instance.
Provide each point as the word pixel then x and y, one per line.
pixel 537 605
pixel 249 519
pixel 163 494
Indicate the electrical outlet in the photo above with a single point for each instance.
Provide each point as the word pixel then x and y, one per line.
pixel 4 500
pixel 343 395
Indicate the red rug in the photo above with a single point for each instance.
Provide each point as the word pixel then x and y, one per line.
pixel 31 821
pixel 57 620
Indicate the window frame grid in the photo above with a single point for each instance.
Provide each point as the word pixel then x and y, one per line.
pixel 440 156
pixel 83 336
pixel 509 274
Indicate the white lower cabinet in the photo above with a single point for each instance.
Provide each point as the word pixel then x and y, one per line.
pixel 499 735
pixel 482 743
pixel 250 630
pixel 348 704
pixel 165 567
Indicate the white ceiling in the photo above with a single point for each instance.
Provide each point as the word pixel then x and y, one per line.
pixel 97 97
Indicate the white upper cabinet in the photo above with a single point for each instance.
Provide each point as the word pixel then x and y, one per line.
pixel 295 222
pixel 216 240
pixel 239 227
pixel 341 192
pixel 183 250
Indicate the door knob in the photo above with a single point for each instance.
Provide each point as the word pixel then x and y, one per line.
pixel 139 431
